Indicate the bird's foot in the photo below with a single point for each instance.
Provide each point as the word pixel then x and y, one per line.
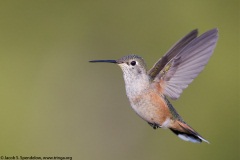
pixel 154 125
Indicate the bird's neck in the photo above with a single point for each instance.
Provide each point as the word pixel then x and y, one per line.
pixel 136 85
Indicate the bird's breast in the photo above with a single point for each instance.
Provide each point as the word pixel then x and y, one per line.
pixel 151 107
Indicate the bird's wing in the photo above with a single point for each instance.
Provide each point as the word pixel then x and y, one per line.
pixel 172 52
pixel 181 64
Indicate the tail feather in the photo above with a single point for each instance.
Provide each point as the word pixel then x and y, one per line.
pixel 186 133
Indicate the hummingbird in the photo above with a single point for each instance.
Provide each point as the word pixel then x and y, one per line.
pixel 148 91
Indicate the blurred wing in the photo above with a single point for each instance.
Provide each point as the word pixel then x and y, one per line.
pixel 180 71
pixel 159 65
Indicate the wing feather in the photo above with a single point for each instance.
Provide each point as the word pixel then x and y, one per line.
pixel 185 65
pixel 161 63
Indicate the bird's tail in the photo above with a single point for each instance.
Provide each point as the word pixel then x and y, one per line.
pixel 186 133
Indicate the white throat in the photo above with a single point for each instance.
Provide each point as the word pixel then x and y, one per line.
pixel 135 83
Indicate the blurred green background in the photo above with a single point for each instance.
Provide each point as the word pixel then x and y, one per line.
pixel 55 103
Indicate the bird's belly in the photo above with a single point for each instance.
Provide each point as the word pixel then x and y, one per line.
pixel 151 107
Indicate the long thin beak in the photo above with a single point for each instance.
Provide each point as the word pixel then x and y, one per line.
pixel 106 61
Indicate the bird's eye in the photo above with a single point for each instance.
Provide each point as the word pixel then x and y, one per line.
pixel 133 63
